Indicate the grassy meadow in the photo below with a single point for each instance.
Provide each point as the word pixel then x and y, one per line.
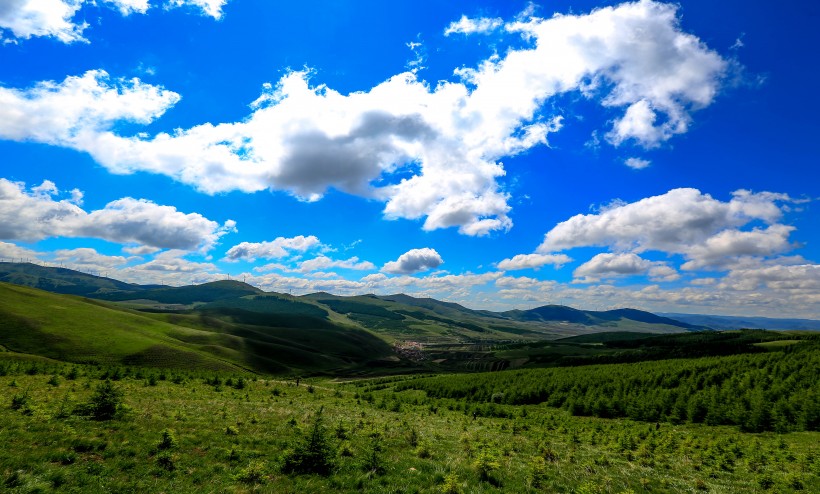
pixel 195 431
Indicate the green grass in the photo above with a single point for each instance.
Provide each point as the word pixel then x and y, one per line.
pixel 777 344
pixel 80 330
pixel 71 329
pixel 190 436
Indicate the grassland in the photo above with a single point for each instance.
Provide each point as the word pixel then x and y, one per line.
pixel 204 397
pixel 81 330
pixel 194 432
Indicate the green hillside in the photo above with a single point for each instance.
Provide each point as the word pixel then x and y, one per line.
pixel 62 280
pixel 394 318
pixel 621 319
pixel 76 330
pixel 207 292
pixel 81 330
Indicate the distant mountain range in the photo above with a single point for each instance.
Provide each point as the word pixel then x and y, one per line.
pixel 744 322
pixel 555 319
pixel 397 316
pixel 67 315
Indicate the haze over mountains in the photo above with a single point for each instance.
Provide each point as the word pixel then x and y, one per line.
pixel 366 310
pixel 68 281
pixel 66 315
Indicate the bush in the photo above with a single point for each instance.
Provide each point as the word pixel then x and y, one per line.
pixel 165 460
pixel 486 463
pixel 452 485
pixel 372 462
pixel 19 402
pixel 167 441
pixel 254 473
pixel 537 476
pixel 105 403
pixel 424 450
pixel 314 454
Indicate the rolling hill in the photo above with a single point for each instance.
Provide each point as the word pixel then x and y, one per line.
pixel 738 322
pixel 394 317
pixel 63 280
pixel 623 319
pixel 230 323
pixel 74 329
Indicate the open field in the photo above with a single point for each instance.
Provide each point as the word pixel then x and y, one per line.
pixel 200 432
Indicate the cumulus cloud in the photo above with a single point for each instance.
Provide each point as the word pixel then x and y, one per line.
pixel 637 163
pixel 35 214
pixel 14 253
pixel 212 8
pixel 430 152
pixel 128 7
pixel 724 247
pixel 609 265
pixel 58 19
pixel 51 18
pixel 275 249
pixel 533 261
pixel 413 261
pixel 79 110
pixel 467 25
pixel 682 221
pixel 87 259
pixel 324 263
pixel 170 267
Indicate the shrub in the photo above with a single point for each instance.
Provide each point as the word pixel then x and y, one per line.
pixel 765 481
pixel 372 462
pixel 254 473
pixel 451 485
pixel 485 464
pixel 167 440
pixel 340 432
pixel 105 403
pixel 413 437
pixel 314 454
pixel 20 401
pixel 424 450
pixel 166 461
pixel 537 475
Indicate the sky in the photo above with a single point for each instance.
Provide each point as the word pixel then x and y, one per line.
pixel 660 156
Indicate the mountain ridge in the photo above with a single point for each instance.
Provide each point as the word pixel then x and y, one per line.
pixel 67 281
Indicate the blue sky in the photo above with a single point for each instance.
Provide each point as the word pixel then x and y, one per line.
pixel 497 154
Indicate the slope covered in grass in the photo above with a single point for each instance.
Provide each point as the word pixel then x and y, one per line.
pixel 71 329
pixel 81 330
pixel 62 280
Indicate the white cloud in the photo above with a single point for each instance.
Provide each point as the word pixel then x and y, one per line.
pixel 533 261
pixel 79 110
pixel 721 249
pixel 139 250
pixel 637 163
pixel 212 8
pixel 128 7
pixel 51 18
pixel 413 261
pixel 446 139
pixel 680 221
pixel 275 249
pixel 35 215
pixel 14 253
pixel 467 25
pixel 58 19
pixel 608 265
pixel 324 262
pixel 87 259
pixel 171 268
